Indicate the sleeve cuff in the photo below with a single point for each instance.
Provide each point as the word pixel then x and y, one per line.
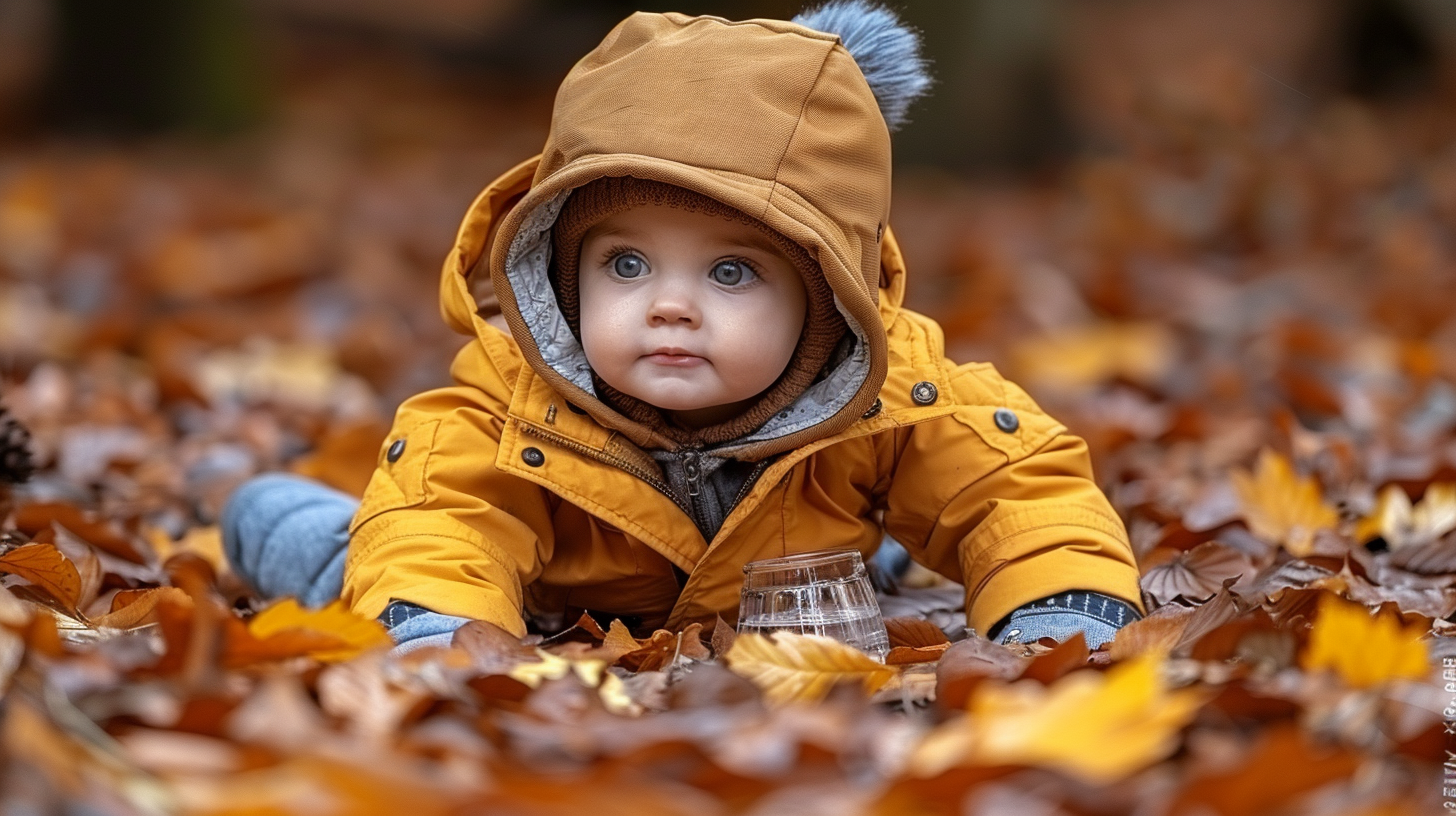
pixel 1060 616
pixel 414 627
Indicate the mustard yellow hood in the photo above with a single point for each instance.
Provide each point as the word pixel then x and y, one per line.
pixel 767 116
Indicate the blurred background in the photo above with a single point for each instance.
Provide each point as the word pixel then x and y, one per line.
pixel 1189 228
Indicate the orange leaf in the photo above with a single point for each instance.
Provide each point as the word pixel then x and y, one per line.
pixel 45 566
pixel 906 655
pixel 913 632
pixel 1281 507
pixel 134 607
pixel 99 533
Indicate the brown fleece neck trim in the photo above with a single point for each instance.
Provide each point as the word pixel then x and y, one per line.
pixel 823 324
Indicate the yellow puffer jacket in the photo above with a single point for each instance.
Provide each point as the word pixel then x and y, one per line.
pixel 517 492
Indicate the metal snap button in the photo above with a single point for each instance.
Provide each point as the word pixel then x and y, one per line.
pixel 1006 420
pixel 924 393
pixel 533 457
pixel 874 409
pixel 395 451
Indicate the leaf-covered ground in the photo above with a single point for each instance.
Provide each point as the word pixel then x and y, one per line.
pixel 1252 325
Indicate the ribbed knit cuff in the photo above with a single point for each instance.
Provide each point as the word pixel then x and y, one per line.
pixel 1060 616
pixel 415 627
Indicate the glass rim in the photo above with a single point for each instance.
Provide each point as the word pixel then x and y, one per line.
pixel 813 558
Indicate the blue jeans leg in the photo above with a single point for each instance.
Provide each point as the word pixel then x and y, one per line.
pixel 287 536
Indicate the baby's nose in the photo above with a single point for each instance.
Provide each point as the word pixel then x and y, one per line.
pixel 674 304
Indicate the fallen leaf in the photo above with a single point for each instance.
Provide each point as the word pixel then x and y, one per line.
pixel 44 566
pixel 790 667
pixel 907 655
pixel 1082 356
pixel 492 649
pixel 1194 574
pixel 723 636
pixel 913 632
pixel 355 634
pixel 1281 507
pixel 1096 726
pixel 1282 765
pixel 1402 525
pixel 1159 633
pixel 1064 657
pixel 101 533
pixel 1364 650
pixel 664 648
pixel 133 607
pixel 968 662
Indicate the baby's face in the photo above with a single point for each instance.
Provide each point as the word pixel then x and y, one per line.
pixel 689 312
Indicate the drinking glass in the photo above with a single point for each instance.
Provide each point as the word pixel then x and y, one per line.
pixel 825 592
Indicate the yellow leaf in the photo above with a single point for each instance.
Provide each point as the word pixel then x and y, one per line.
pixel 803 668
pixel 1363 649
pixel 1087 355
pixel 1099 727
pixel 1400 524
pixel 1281 507
pixel 353 633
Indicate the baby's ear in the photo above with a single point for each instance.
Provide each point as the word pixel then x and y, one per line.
pixel 886 50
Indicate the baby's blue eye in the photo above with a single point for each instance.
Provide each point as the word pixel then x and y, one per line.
pixel 628 266
pixel 731 273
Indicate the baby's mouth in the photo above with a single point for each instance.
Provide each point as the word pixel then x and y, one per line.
pixel 674 357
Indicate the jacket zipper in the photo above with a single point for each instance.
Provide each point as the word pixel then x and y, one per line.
pixel 693 470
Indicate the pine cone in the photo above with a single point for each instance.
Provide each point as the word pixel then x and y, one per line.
pixel 15 463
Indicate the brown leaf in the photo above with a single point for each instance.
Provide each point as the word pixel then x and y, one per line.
pixel 133 607
pixel 665 648
pixel 906 655
pixel 1283 765
pixel 1159 632
pixel 966 663
pixel 492 649
pixel 102 534
pixel 722 638
pixel 1064 657
pixel 1434 558
pixel 45 567
pixel 1195 574
pixel 913 632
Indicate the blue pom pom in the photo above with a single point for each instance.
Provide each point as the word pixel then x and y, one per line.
pixel 886 50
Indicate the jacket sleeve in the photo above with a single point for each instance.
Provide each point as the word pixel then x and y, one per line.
pixel 439 526
pixel 1010 510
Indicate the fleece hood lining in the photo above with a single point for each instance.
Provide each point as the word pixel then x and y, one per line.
pixel 527 261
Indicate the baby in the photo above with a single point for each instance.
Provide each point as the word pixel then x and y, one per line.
pixel 707 364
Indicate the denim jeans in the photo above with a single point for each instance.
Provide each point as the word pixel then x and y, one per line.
pixel 287 536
